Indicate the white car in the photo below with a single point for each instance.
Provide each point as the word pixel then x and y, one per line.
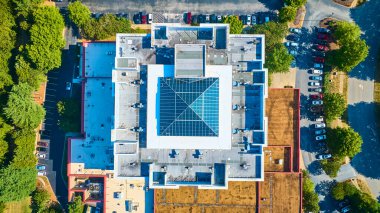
pixel 320 125
pixel 323 156
pixel 320 119
pixel 248 19
pixel 317 102
pixel 316 71
pixel 291 44
pixel 150 18
pixel 320 137
pixel 41 156
pixel 320 131
pixel 41 173
pixel 316 78
pixel 295 30
pixel 312 83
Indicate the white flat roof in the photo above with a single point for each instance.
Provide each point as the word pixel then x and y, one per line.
pixel 222 141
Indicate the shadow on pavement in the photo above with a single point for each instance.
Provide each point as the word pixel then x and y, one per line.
pixel 324 187
pixel 272 4
pixel 329 204
pixel 363 121
pixel 366 16
pixel 315 168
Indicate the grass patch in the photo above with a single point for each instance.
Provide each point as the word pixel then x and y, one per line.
pixel 376 93
pixel 22 206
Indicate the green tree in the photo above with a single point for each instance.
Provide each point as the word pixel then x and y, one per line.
pixel 332 166
pixel 349 55
pixel 4 130
pixel 23 155
pixel 344 142
pixel 40 200
pixel 287 14
pixel 69 112
pixel 108 25
pixel 21 108
pixel 16 183
pixel 27 74
pixel 343 189
pixel 7 42
pixel 76 206
pixel 79 13
pixel 278 59
pixel 46 39
pixel 310 198
pixel 346 31
pixel 295 3
pixel 274 33
pixel 334 106
pixel 236 26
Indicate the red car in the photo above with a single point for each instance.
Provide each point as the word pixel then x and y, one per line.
pixel 319 59
pixel 143 19
pixel 188 18
pixel 323 36
pixel 322 47
pixel 43 144
pixel 316 96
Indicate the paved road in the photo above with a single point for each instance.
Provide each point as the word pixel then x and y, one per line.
pixel 360 98
pixel 174 6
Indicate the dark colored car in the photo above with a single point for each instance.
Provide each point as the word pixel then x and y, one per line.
pixel 319 54
pixel 201 18
pixel 42 149
pixel 316 109
pixel 43 144
pixel 213 18
pixel 322 36
pixel 323 30
pixel 293 37
pixel 137 19
pixel 315 89
pixel 316 96
pixel 243 19
pixel 321 47
pixel 321 42
pixel 319 59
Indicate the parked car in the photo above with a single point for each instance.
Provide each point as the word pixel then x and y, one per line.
pixel 316 71
pixel 322 36
pixel 137 18
pixel 254 20
pixel 321 47
pixel 321 42
pixel 293 37
pixel 320 137
pixel 323 156
pixel 346 209
pixel 319 54
pixel 43 144
pixel 213 18
pixel 315 89
pixel 243 19
pixel 267 19
pixel 315 78
pixel 316 109
pixel 295 30
pixel 188 18
pixel 320 125
pixel 41 173
pixel 313 83
pixel 144 19
pixel 323 30
pixel 150 18
pixel 42 149
pixel 68 85
pixel 248 19
pixel 292 52
pixel 207 18
pixel 219 18
pixel 319 119
pixel 40 167
pixel 291 44
pixel 320 131
pixel 318 66
pixel 317 102
pixel 41 156
pixel 316 96
pixel 319 59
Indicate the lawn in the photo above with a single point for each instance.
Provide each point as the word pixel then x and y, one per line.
pixel 19 206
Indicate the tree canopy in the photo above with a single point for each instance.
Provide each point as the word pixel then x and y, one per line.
pixel 40 200
pixel 236 26
pixel 79 13
pixel 310 198
pixel 352 51
pixel 4 130
pixel 295 3
pixel 334 105
pixel 46 40
pixel 278 59
pixel 21 108
pixel 107 25
pixel 332 166
pixel 287 13
pixel 274 33
pixel 76 206
pixel 344 142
